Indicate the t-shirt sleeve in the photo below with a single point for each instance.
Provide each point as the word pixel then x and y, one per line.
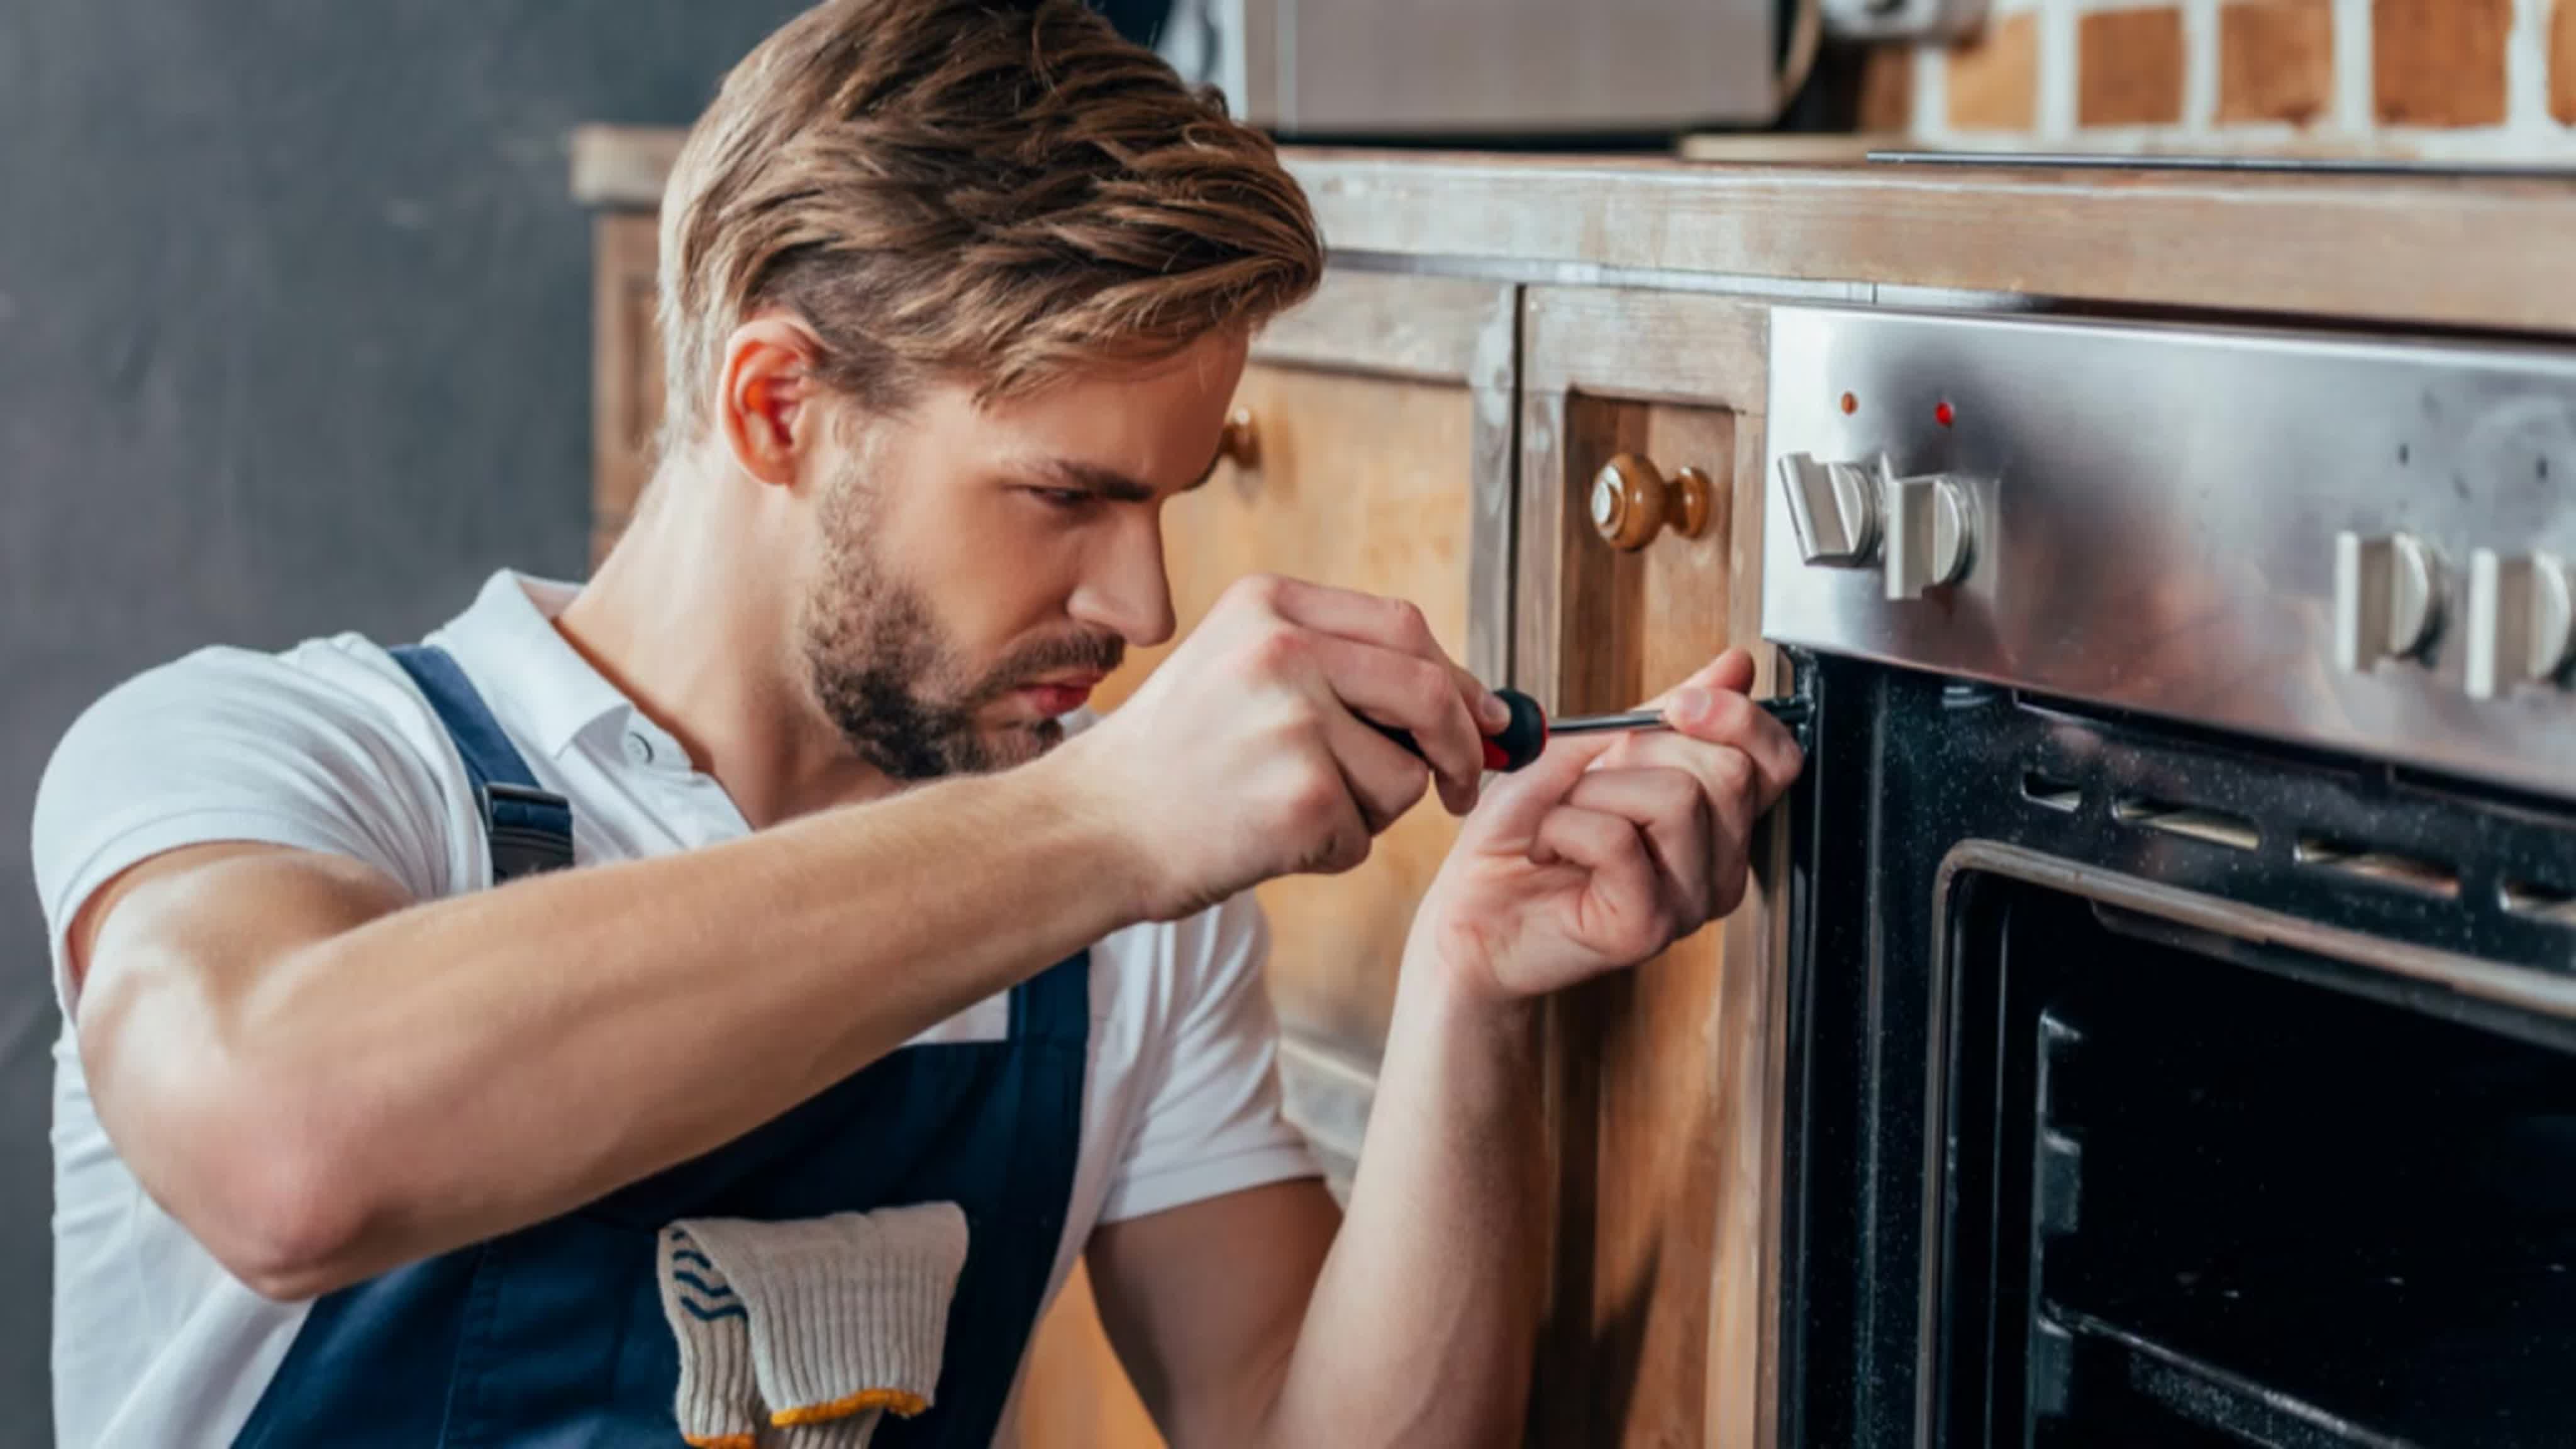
pixel 1211 1124
pixel 228 745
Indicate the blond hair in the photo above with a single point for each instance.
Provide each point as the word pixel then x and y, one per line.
pixel 987 191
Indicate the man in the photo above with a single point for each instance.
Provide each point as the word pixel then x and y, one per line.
pixel 868 1004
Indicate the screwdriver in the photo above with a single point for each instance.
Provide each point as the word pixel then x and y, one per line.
pixel 1520 742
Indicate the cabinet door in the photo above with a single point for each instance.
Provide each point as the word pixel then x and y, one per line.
pixel 1381 459
pixel 1661 1104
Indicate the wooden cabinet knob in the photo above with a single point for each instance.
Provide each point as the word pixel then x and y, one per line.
pixel 1631 502
pixel 1240 442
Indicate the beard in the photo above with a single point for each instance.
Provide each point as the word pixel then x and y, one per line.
pixel 900 691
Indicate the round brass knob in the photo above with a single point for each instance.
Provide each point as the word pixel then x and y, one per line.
pixel 1631 502
pixel 1240 442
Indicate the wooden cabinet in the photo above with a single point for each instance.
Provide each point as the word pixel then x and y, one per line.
pixel 1660 1104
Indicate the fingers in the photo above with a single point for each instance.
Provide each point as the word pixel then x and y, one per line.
pixel 1712 706
pixel 1734 722
pixel 1674 814
pixel 1406 692
pixel 1384 778
pixel 1517 803
pixel 1623 906
pixel 1388 623
pixel 1729 780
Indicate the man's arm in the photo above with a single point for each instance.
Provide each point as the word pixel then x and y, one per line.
pixel 1416 1327
pixel 322 1078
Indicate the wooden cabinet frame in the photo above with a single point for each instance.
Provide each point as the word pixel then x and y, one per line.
pixel 1585 352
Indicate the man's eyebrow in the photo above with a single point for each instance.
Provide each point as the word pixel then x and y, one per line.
pixel 1076 475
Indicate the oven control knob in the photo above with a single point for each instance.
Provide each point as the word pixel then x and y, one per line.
pixel 2388 598
pixel 2522 620
pixel 1931 534
pixel 1833 508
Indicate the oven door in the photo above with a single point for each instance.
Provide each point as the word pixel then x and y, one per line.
pixel 2152 1087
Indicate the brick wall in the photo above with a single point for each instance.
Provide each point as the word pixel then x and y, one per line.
pixel 2462 80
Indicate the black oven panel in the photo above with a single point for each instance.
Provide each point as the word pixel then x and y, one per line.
pixel 2159 1087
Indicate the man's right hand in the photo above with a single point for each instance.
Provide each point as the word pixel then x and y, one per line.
pixel 1249 753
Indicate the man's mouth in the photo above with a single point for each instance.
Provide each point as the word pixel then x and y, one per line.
pixel 1061 695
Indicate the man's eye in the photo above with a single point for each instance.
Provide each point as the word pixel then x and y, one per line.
pixel 1067 499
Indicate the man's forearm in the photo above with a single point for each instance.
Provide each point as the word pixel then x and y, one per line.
pixel 466 1066
pixel 1420 1328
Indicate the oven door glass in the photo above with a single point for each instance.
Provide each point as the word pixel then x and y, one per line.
pixel 2204 1189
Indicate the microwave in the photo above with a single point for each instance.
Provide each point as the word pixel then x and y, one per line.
pixel 1389 69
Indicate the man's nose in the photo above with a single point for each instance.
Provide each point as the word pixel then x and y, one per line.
pixel 1125 589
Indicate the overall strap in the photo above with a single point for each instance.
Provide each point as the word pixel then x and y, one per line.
pixel 530 828
pixel 1055 1004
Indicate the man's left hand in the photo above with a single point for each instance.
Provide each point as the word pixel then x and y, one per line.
pixel 1608 848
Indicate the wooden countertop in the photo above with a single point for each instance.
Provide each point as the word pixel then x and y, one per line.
pixel 2471 252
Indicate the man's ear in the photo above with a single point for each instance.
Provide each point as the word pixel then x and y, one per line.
pixel 768 398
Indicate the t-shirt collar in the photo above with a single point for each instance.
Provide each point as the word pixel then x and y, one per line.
pixel 507 641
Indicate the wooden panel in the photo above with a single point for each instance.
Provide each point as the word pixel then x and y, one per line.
pixel 1661 1085
pixel 1362 482
pixel 1394 324
pixel 1659 1154
pixel 626 373
pixel 2484 253
pixel 2479 252
pixel 1432 329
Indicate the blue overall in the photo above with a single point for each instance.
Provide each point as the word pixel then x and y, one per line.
pixel 554 1335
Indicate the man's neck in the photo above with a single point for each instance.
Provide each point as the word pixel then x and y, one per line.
pixel 690 616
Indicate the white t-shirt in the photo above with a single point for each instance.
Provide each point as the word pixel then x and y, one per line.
pixel 328 747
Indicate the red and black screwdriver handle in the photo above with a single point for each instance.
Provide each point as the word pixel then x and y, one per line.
pixel 1521 741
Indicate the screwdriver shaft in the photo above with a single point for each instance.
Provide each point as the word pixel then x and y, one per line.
pixel 1530 729
pixel 1787 709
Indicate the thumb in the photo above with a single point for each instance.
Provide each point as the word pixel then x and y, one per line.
pixel 1731 671
pixel 1518 802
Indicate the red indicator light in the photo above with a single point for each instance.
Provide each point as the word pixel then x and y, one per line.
pixel 1944 415
pixel 1851 405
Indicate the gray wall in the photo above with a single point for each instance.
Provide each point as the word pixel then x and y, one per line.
pixel 293 339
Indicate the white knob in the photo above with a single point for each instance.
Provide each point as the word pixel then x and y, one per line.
pixel 1833 509
pixel 1931 534
pixel 2522 620
pixel 2388 599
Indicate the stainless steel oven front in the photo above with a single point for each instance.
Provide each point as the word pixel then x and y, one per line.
pixel 2182 1040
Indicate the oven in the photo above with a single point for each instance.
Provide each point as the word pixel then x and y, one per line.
pixel 2181 1046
